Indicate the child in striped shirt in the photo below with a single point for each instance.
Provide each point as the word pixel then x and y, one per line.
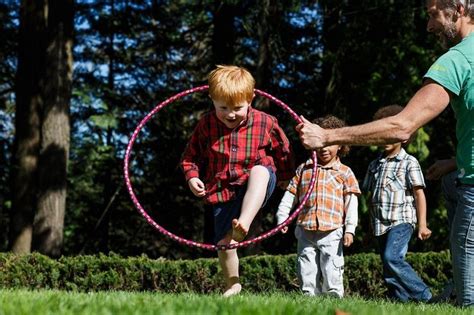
pixel 233 160
pixel 327 220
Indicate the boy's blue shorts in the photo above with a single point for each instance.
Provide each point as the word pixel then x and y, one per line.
pixel 225 212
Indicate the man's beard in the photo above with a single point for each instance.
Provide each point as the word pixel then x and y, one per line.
pixel 448 35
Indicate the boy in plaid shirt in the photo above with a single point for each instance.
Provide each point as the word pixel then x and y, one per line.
pixel 234 157
pixel 328 219
pixel 398 202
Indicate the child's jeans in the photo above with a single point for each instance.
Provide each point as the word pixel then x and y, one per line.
pixel 320 261
pixel 402 281
pixel 460 205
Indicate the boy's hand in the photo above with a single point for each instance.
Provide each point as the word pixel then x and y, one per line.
pixel 348 239
pixel 284 230
pixel 424 233
pixel 197 187
pixel 282 184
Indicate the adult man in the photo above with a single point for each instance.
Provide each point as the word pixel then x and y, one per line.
pixel 449 80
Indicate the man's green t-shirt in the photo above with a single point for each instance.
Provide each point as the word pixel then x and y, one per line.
pixel 455 72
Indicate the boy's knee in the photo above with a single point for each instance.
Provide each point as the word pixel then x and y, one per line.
pixel 392 261
pixel 306 253
pixel 259 170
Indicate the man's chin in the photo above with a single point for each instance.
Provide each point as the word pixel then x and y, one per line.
pixel 447 39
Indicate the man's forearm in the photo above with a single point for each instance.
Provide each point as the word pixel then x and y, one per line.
pixel 378 132
pixel 425 105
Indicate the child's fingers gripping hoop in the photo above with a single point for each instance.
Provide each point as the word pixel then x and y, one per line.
pixel 188 242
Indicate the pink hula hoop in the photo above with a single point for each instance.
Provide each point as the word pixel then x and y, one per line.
pixel 191 242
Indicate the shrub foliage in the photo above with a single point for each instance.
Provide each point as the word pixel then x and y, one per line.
pixel 362 274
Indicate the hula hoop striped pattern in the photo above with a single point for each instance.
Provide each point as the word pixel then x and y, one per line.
pixel 187 242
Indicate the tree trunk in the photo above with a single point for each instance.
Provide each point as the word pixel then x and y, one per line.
pixel 55 130
pixel 268 17
pixel 263 74
pixel 223 36
pixel 27 123
pixel 108 179
pixel 333 34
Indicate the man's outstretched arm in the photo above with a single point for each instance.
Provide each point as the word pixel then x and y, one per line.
pixel 428 102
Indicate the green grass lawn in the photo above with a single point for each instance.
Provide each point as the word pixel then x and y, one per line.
pixel 60 302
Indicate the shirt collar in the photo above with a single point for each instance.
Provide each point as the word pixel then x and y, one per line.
pixel 250 113
pixel 336 165
pixel 400 156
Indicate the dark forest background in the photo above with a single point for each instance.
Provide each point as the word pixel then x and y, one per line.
pixel 76 77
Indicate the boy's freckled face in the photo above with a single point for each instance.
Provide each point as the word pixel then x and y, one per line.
pixel 327 154
pixel 231 115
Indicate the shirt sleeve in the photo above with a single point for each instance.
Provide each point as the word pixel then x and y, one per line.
pixel 351 186
pixel 450 71
pixel 286 204
pixel 194 155
pixel 415 175
pixel 283 154
pixel 295 181
pixel 351 204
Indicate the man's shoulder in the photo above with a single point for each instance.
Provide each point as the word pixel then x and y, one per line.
pixel 457 57
pixel 465 48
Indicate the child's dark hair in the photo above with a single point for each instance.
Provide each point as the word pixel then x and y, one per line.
pixel 387 111
pixel 332 122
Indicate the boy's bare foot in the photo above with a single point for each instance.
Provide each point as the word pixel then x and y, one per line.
pixel 233 290
pixel 238 231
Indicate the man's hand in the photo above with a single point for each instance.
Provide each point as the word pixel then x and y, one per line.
pixel 284 230
pixel 440 168
pixel 424 233
pixel 311 135
pixel 348 239
pixel 197 187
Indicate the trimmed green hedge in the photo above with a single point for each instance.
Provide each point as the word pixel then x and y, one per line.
pixel 362 275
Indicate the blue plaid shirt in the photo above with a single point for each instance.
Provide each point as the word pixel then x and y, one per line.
pixel 391 182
